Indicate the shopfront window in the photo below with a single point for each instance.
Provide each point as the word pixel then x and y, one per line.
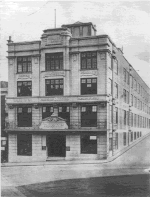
pixel 24 144
pixel 88 144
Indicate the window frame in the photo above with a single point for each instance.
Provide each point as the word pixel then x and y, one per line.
pixel 22 63
pixel 23 119
pixel 89 142
pixel 55 58
pixel 86 90
pixel 24 142
pixel 84 58
pixel 52 82
pixel 22 88
pixel 88 112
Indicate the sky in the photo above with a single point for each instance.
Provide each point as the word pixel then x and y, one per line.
pixel 126 22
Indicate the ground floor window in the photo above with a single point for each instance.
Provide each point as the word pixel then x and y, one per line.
pixel 24 144
pixel 131 136
pixel 110 143
pixel 124 138
pixel 135 135
pixel 88 144
pixel 140 133
pixel 116 141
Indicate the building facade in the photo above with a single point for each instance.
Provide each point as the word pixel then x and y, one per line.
pixel 73 95
pixel 4 120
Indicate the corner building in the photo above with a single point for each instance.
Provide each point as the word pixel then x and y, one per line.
pixel 73 95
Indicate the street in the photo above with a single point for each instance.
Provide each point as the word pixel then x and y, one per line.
pixel 127 176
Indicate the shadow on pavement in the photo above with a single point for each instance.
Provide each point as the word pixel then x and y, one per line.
pixel 121 186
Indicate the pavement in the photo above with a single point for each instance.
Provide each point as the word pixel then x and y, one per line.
pixel 55 177
pixel 73 162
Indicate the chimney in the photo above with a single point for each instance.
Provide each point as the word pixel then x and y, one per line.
pixel 9 41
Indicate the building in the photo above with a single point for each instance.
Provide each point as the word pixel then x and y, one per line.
pixel 73 95
pixel 4 120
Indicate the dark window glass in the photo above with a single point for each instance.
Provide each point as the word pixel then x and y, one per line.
pixel 134 135
pixel 128 77
pixel 88 144
pixel 125 118
pixel 124 74
pixel 88 60
pixel 54 87
pixel 24 116
pixel 89 116
pixel 64 112
pixel 88 86
pixel 125 95
pixel 124 138
pixel 110 86
pixel 131 136
pixel 116 90
pixel 116 115
pixel 24 64
pixel 116 66
pixel 47 111
pixel 54 61
pixel 116 141
pixel 24 88
pixel 24 144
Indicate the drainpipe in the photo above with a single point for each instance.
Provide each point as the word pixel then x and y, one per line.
pixel 113 103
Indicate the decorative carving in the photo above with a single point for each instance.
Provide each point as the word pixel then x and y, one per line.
pixel 36 106
pixel 54 73
pixel 24 76
pixel 89 72
pixel 74 57
pixel 11 106
pixel 53 122
pixel 102 56
pixel 74 105
pixel 54 39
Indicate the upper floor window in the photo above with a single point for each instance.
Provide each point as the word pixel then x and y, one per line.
pixel 89 60
pixel 47 111
pixel 89 116
pixel 88 86
pixel 124 74
pixel 124 138
pixel 54 61
pixel 116 66
pixel 64 112
pixel 54 87
pixel 128 77
pixel 24 88
pixel 24 116
pixel 131 81
pixel 24 64
pixel 116 90
pixel 110 86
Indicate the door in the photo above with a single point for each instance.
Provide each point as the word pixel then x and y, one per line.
pixel 56 145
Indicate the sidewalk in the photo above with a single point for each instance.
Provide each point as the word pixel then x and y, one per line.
pixel 76 162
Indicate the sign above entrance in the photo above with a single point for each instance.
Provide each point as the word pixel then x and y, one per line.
pixel 53 122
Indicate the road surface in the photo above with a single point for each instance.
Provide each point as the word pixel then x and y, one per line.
pixel 128 176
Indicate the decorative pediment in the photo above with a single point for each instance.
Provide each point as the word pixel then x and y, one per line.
pixel 53 122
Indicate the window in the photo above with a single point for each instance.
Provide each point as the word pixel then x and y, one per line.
pixel 138 134
pixel 116 141
pixel 110 86
pixel 24 144
pixel 89 116
pixel 131 81
pixel 127 97
pixel 124 138
pixel 88 86
pixel 24 88
pixel 47 111
pixel 110 144
pixel 88 60
pixel 116 90
pixel 131 119
pixel 134 120
pixel 135 103
pixel 128 77
pixel 64 112
pixel 110 107
pixel 125 118
pixel 116 115
pixel 135 85
pixel 54 61
pixel 124 74
pixel 124 95
pixel 24 64
pixel 116 66
pixel 24 117
pixel 134 135
pixel 54 87
pixel 88 144
pixel 131 136
pixel 131 100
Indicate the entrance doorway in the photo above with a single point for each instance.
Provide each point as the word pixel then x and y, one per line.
pixel 56 145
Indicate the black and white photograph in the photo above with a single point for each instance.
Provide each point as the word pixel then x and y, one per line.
pixel 75 98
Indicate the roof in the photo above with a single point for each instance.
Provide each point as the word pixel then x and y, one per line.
pixel 78 23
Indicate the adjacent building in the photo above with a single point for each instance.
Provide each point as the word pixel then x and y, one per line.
pixel 4 120
pixel 73 95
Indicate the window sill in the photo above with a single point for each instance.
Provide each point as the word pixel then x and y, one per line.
pixel 24 73
pixel 89 69
pixel 52 70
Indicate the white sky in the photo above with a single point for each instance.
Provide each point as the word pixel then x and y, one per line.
pixel 126 22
